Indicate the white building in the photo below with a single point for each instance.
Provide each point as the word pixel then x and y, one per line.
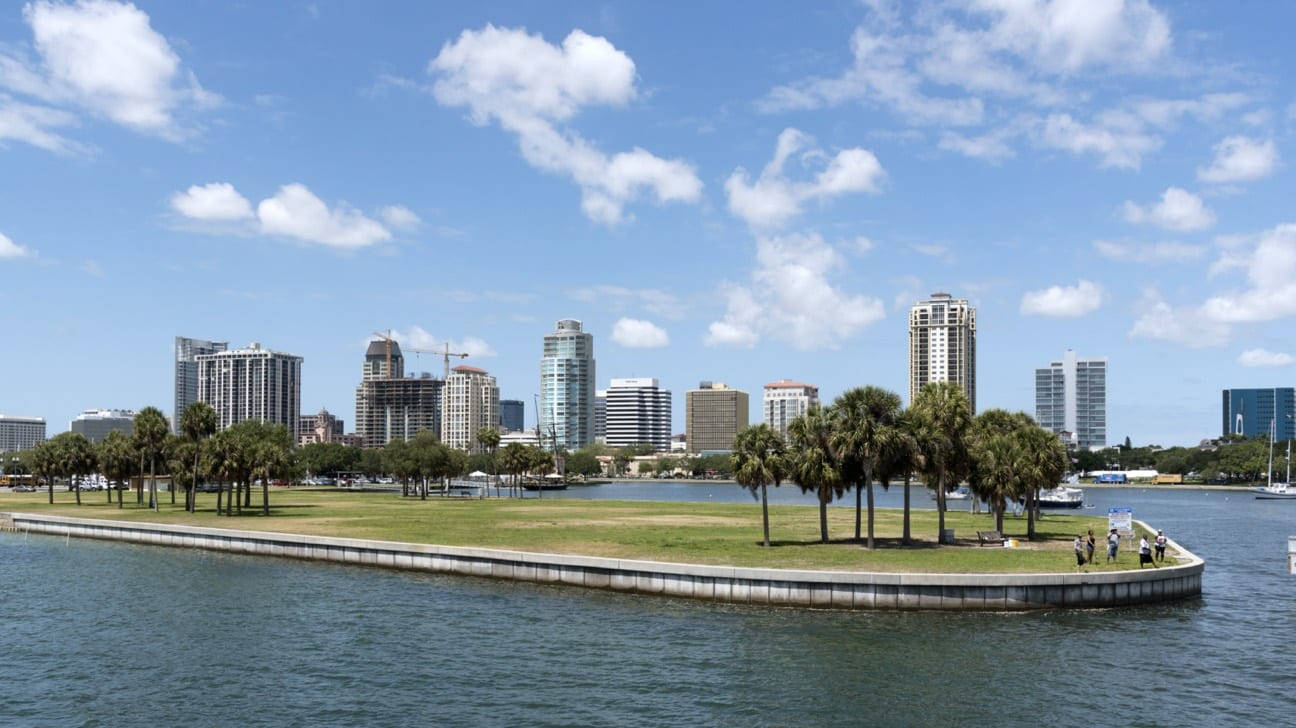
pixel 20 433
pixel 95 424
pixel 252 384
pixel 186 372
pixel 470 401
pixel 1071 397
pixel 785 400
pixel 521 437
pixel 638 412
pixel 942 345
pixel 567 386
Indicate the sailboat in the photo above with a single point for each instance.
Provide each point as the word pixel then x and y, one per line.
pixel 1276 491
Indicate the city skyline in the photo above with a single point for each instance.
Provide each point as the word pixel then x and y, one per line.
pixel 747 211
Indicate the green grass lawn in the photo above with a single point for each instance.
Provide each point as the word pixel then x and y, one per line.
pixel 709 533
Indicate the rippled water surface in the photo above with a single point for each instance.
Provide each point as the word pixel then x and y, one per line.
pixel 105 634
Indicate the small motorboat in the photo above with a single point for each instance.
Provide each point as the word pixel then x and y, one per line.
pixel 1061 497
pixel 961 493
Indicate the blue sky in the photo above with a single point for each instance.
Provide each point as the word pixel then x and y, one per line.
pixel 739 192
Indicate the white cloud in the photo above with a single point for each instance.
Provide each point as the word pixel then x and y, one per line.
pixel 1265 358
pixel 1159 321
pixel 1063 301
pixel 1178 210
pixel 616 298
pixel 791 298
pixel 1270 290
pixel 1240 159
pixel 1118 139
pixel 1065 36
pixel 1165 252
pixel 10 250
pixel 105 57
pixel 862 245
pixel 528 86
pixel 1209 107
pixel 33 125
pixel 941 252
pixel 992 147
pixel 214 201
pixel 416 337
pixel 772 199
pixel 296 212
pixel 639 334
pixel 400 217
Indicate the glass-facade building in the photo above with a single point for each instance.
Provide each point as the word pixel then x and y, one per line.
pixel 566 413
pixel 186 372
pixel 1251 412
pixel 1071 399
pixel 512 414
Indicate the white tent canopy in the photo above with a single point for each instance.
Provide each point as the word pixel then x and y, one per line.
pixel 478 474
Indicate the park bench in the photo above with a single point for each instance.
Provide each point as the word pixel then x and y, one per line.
pixel 985 537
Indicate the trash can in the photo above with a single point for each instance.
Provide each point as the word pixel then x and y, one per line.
pixel 947 536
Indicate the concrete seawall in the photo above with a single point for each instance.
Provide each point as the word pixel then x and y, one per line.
pixel 827 589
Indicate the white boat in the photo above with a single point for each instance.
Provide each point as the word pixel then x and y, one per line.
pixel 1061 497
pixel 1276 491
pixel 961 493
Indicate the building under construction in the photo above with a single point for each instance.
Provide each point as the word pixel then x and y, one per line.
pixel 390 406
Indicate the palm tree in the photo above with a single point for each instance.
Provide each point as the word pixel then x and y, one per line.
pixel 946 417
pixel 220 457
pixel 903 456
pixel 759 457
pixel 272 457
pixel 863 419
pixel 513 460
pixel 813 466
pixel 149 433
pixel 44 464
pixel 116 455
pixel 1043 463
pixel 489 438
pixel 994 450
pixel 75 457
pixel 198 422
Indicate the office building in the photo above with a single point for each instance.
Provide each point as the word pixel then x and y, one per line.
pixel 1071 400
pixel 567 386
pixel 786 400
pixel 320 428
pixel 638 413
pixel 95 424
pixel 512 415
pixel 469 402
pixel 942 345
pixel 20 433
pixel 390 406
pixel 1251 412
pixel 600 416
pixel 252 384
pixel 713 415
pixel 186 372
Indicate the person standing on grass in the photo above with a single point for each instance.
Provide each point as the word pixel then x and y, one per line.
pixel 1113 542
pixel 1089 547
pixel 1145 553
pixel 1160 545
pixel 1079 552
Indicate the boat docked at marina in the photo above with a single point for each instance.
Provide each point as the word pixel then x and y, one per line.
pixel 1276 491
pixel 1061 497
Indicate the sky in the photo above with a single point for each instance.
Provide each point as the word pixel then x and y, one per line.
pixel 740 192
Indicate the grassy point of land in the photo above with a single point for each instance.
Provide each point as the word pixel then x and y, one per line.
pixel 706 533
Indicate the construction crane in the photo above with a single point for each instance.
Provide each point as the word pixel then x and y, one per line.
pixel 445 353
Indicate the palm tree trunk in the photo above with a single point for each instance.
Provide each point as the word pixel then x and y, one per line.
pixel 49 483
pixel 265 496
pixel 869 485
pixel 191 505
pixel 153 499
pixel 1030 514
pixel 220 497
pixel 906 512
pixel 765 513
pixel 76 486
pixel 999 511
pixel 109 489
pixel 423 491
pixel 858 494
pixel 823 519
pixel 940 505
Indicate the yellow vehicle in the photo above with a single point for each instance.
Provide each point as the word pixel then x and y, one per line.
pixel 1169 479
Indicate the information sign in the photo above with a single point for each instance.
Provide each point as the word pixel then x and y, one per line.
pixel 1121 519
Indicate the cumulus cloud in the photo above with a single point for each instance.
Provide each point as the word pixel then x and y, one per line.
pixel 639 334
pixel 1165 252
pixel 791 298
pixel 1178 210
pixel 530 87
pixel 1240 159
pixel 103 57
pixel 214 201
pixel 9 249
pixel 1159 321
pixel 294 211
pixel 1265 358
pixel 416 337
pixel 1063 301
pixel 772 199
pixel 1119 140
pixel 1270 289
pixel 400 217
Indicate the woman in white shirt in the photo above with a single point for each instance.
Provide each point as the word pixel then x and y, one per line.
pixel 1145 553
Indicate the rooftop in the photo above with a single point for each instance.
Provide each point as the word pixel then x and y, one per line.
pixel 788 384
pixel 379 348
pixel 467 369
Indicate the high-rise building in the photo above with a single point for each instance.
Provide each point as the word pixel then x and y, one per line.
pixel 95 424
pixel 320 428
pixel 469 402
pixel 390 406
pixel 567 386
pixel 512 415
pixel 20 433
pixel 600 416
pixel 252 384
pixel 638 413
pixel 713 415
pixel 1251 412
pixel 1071 400
pixel 942 344
pixel 186 372
pixel 786 400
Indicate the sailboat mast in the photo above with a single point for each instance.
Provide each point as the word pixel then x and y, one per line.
pixel 1272 431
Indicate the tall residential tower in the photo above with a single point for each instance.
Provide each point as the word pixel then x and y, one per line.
pixel 469 402
pixel 186 372
pixel 391 406
pixel 567 386
pixel 1071 398
pixel 252 384
pixel 942 345
pixel 786 400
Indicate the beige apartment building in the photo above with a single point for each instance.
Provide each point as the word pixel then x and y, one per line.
pixel 470 401
pixel 942 344
pixel 713 415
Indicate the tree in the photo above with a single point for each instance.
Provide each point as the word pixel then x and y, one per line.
pixel 583 462
pixel 75 458
pixel 149 433
pixel 759 458
pixel 489 438
pixel 117 458
pixel 863 419
pixel 1128 445
pixel 513 460
pixel 813 466
pixel 994 450
pixel 272 458
pixel 946 416
pixel 198 422
pixel 1043 462
pixel 902 456
pixel 45 464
